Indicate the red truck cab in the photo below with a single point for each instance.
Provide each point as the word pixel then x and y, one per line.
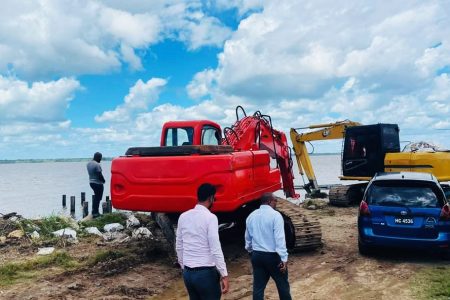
pixel 182 133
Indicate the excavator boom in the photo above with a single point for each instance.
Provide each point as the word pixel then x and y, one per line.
pixel 327 131
pixel 256 133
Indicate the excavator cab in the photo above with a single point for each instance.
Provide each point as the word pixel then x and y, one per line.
pixel 365 148
pixel 186 133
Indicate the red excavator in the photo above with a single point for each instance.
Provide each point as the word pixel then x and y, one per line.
pixel 252 158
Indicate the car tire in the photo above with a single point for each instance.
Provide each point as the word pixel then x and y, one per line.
pixel 364 249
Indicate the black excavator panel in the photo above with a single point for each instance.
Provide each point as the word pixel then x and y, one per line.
pixel 365 148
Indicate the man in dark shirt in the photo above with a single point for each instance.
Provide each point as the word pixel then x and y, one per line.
pixel 96 181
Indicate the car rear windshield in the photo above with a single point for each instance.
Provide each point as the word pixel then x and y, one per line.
pixel 405 194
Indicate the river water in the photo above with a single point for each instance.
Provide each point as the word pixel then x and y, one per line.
pixel 36 189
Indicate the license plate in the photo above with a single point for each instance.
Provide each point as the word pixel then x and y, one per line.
pixel 404 221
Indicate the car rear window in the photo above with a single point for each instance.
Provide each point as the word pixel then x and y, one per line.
pixel 408 194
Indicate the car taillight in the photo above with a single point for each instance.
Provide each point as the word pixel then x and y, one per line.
pixel 364 209
pixel 445 213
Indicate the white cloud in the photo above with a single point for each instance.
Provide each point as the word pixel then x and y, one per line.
pixel 201 84
pixel 205 31
pixel 302 62
pixel 129 56
pixel 308 62
pixel 43 39
pixel 144 128
pixel 138 99
pixel 440 89
pixel 433 59
pixel 135 30
pixel 243 6
pixel 38 102
pixel 443 124
pixel 303 48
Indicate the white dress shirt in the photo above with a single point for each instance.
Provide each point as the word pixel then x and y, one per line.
pixel 197 241
pixel 265 232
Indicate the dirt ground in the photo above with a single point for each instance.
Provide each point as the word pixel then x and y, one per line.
pixel 335 271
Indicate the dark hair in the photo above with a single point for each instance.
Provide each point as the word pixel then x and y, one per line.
pixel 266 197
pixel 97 156
pixel 205 191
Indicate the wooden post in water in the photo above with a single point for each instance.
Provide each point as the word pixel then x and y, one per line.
pixel 105 208
pixel 83 198
pixel 72 204
pixel 64 201
pixel 108 202
pixel 85 208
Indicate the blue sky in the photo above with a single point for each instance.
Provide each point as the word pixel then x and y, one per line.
pixel 83 76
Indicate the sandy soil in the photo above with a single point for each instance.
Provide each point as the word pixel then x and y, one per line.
pixel 335 271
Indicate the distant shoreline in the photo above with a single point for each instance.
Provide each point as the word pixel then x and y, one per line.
pixel 44 160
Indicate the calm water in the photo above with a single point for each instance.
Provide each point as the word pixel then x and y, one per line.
pixel 36 189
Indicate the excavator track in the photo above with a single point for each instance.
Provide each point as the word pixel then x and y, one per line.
pixel 337 195
pixel 346 195
pixel 302 229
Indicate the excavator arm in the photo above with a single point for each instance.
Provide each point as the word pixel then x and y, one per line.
pixel 328 131
pixel 256 133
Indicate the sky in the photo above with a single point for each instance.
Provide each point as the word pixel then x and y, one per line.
pixel 82 76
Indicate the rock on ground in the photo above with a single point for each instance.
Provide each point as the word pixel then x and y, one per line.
pixel 46 251
pixel 113 227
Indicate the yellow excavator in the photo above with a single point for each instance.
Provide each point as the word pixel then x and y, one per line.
pixel 366 150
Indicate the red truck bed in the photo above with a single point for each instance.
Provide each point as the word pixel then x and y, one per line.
pixel 169 183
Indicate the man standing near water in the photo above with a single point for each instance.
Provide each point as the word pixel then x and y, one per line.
pixel 265 240
pixel 96 181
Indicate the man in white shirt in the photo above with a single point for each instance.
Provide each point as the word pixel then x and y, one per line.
pixel 198 249
pixel 265 240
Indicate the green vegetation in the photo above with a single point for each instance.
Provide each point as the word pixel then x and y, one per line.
pixel 15 272
pixel 432 283
pixel 12 272
pixel 46 226
pixel 101 221
pixel 105 255
pixel 27 270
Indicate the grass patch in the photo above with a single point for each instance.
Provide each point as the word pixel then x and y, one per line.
pixel 432 283
pixel 46 226
pixel 101 221
pixel 107 255
pixel 12 272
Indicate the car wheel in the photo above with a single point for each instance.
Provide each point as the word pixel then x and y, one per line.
pixel 364 249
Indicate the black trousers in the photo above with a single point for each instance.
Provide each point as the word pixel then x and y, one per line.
pixel 98 195
pixel 202 283
pixel 265 265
